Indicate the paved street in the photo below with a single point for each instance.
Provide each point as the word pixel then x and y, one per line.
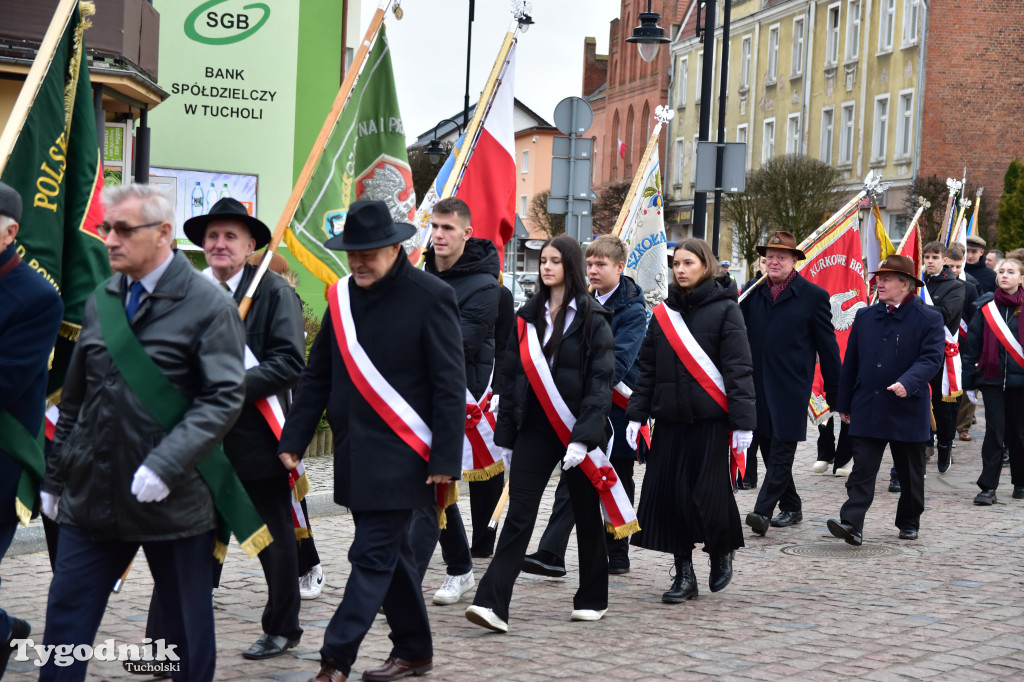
pixel 949 606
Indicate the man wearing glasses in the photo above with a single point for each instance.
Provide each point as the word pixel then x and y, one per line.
pixel 121 473
pixel 789 325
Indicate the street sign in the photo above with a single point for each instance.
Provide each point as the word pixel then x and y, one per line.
pixel 580 175
pixel 584 147
pixel 560 205
pixel 573 116
pixel 734 167
pixel 571 167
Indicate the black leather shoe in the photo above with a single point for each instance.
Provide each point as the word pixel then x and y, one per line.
pixel 19 630
pixel 544 563
pixel 945 457
pixel 269 646
pixel 894 484
pixel 845 531
pixel 786 518
pixel 396 668
pixel 908 534
pixel 721 571
pixel 684 584
pixel 758 522
pixel 1018 492
pixel 985 498
pixel 749 485
pixel 618 565
pixel 1006 457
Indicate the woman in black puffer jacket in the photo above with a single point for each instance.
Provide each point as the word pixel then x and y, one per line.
pixel 687 495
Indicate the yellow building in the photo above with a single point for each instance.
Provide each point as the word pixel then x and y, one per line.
pixel 836 80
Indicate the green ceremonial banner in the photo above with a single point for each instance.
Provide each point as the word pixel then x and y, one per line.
pixel 55 166
pixel 364 158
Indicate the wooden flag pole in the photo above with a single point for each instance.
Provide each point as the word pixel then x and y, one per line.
pixel 977 205
pixel 34 80
pixel 500 507
pixel 344 93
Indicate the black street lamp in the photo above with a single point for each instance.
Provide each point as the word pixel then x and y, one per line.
pixel 435 152
pixel 648 36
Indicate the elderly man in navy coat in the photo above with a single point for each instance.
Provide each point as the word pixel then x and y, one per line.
pixel 896 346
pixel 789 325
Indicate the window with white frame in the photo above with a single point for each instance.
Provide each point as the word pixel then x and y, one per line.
pixel 773 53
pixel 681 79
pixel 693 161
pixel 886 25
pixel 793 134
pixel 745 63
pixel 828 115
pixel 853 30
pixel 741 136
pixel 524 167
pixel 523 205
pixel 880 133
pixel 911 12
pixel 798 46
pixel 846 134
pixel 768 141
pixel 832 36
pixel 700 77
pixel 904 124
pixel 677 162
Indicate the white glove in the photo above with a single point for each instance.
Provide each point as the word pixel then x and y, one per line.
pixel 632 431
pixel 494 403
pixel 506 457
pixel 574 454
pixel 50 504
pixel 147 486
pixel 972 396
pixel 741 440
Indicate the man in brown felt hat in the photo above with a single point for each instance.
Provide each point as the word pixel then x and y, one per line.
pixel 789 325
pixel 895 347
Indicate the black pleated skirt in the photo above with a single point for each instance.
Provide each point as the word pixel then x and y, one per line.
pixel 687 496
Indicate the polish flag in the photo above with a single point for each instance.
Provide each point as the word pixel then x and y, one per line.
pixel 488 184
pixel 622 149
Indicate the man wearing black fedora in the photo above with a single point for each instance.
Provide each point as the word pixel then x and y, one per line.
pixel 895 347
pixel 388 367
pixel 789 325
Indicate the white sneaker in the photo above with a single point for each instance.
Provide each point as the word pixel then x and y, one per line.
pixel 453 587
pixel 311 584
pixel 587 614
pixel 845 469
pixel 485 617
pixel 821 466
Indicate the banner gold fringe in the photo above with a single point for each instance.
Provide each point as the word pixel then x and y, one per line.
pixel 24 513
pixel 301 488
pixel 70 330
pixel 302 533
pixel 953 397
pixel 623 531
pixel 451 496
pixel 309 261
pixel 257 542
pixel 220 551
pixel 485 474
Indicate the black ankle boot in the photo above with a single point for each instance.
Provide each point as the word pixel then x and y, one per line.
pixel 721 571
pixel 945 457
pixel 684 585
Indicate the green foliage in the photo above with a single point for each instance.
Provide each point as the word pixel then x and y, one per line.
pixel 1010 220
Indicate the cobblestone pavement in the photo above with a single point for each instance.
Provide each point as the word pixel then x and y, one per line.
pixel 949 606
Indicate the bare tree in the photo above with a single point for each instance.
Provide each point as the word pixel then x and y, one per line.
pixel 424 171
pixel 553 224
pixel 933 190
pixel 610 198
pixel 794 193
pixel 749 226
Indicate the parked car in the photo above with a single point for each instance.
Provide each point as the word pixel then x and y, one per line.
pixel 529 282
pixel 519 296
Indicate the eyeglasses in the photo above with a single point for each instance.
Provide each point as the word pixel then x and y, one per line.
pixel 123 229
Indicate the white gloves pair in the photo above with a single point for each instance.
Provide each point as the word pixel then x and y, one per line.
pixel 574 454
pixel 632 431
pixel 972 396
pixel 506 457
pixel 50 504
pixel 147 486
pixel 741 440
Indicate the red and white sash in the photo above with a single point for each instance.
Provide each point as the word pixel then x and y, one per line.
pixel 52 415
pixel 701 368
pixel 296 477
pixel 952 385
pixel 481 458
pixel 376 390
pixel 1002 332
pixel 621 393
pixel 620 519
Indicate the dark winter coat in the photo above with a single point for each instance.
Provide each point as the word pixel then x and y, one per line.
pixel 985 275
pixel 1011 375
pixel 629 322
pixel 971 293
pixel 667 390
pixel 583 371
pixel 906 346
pixel 193 333
pixel 502 332
pixel 785 339
pixel 948 294
pixel 408 324
pixel 474 277
pixel 274 333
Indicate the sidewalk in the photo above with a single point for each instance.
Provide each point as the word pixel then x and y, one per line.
pixel 802 605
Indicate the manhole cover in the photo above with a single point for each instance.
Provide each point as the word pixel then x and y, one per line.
pixel 840 550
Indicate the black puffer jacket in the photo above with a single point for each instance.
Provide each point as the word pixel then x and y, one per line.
pixel 583 371
pixel 948 296
pixel 1011 375
pixel 667 390
pixel 985 275
pixel 475 280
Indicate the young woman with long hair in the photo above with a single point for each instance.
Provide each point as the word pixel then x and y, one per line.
pixel 574 332
pixel 696 380
pixel 990 366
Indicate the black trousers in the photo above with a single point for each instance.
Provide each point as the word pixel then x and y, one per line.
pixel 1004 424
pixel 828 449
pixel 483 498
pixel 307 554
pixel 945 412
pixel 86 571
pixel 778 487
pixel 908 459
pixel 383 573
pixel 556 536
pixel 750 475
pixel 424 536
pixel 537 450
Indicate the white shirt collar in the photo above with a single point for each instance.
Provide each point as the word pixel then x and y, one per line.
pixel 603 298
pixel 149 280
pixel 232 282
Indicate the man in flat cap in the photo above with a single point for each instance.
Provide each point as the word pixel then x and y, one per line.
pixel 976 267
pixel 389 368
pixel 29 319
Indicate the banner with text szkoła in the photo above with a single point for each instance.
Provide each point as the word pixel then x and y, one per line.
pixel 364 158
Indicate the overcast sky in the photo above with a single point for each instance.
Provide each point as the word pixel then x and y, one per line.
pixel 429 53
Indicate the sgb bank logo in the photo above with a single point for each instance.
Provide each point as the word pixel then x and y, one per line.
pixel 212 27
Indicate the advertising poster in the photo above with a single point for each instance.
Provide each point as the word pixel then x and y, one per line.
pixel 193 192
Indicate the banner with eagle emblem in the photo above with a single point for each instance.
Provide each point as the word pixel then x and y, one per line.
pixel 835 263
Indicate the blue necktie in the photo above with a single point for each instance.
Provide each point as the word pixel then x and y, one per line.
pixel 134 294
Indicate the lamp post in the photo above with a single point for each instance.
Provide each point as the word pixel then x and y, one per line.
pixel 434 150
pixel 648 36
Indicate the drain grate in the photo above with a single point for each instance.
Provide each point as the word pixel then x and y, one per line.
pixel 840 550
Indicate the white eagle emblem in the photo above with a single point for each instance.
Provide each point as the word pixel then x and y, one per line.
pixel 385 185
pixel 843 319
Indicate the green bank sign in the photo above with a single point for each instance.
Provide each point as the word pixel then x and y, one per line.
pixel 211 24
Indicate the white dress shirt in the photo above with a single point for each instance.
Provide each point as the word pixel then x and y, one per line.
pixel 603 298
pixel 232 282
pixel 549 325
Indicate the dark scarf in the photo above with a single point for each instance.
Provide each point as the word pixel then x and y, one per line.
pixel 989 361
pixel 777 289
